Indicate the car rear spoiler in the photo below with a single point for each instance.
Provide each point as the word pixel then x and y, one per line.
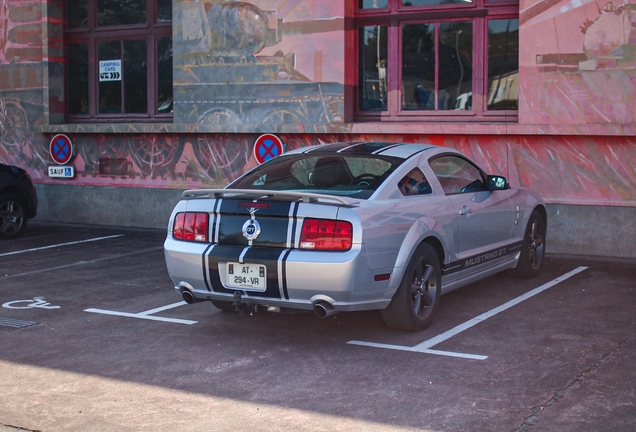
pixel 269 194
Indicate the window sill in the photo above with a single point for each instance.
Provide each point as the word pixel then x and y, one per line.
pixel 109 128
pixel 419 128
pixel 491 129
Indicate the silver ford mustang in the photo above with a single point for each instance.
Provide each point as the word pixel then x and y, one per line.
pixel 350 227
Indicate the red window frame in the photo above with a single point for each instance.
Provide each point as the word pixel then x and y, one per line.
pixel 480 12
pixel 92 34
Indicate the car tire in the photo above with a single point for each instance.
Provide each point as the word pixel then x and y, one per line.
pixel 13 220
pixel 415 303
pixel 533 249
pixel 225 306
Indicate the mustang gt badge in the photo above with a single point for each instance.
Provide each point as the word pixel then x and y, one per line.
pixel 251 227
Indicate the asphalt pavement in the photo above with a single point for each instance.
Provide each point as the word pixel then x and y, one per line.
pixel 93 337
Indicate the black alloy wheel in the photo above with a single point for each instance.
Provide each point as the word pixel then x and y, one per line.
pixel 12 216
pixel 533 249
pixel 415 303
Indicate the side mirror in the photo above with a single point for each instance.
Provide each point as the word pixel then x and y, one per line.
pixel 497 183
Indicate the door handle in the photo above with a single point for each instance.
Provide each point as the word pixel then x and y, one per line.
pixel 464 211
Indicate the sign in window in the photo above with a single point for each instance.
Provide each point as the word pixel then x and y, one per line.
pixel 110 70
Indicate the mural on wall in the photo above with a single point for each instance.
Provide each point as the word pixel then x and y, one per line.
pixel 21 97
pixel 277 66
pixel 234 71
pixel 565 170
pixel 167 160
pixel 579 63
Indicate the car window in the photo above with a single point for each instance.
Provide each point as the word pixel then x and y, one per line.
pixel 457 175
pixel 414 183
pixel 336 174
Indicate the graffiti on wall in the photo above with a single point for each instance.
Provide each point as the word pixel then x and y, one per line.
pixel 167 160
pixel 234 71
pixel 584 67
pixel 567 170
pixel 21 99
pixel 564 170
pixel 284 77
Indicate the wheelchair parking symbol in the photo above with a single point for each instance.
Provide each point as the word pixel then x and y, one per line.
pixel 37 302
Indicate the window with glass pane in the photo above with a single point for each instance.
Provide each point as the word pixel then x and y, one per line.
pixel 109 91
pixel 503 64
pixel 164 72
pixel 120 12
pixel 373 68
pixel 437 60
pixel 455 65
pixel 432 2
pixel 135 37
pixel 77 16
pixel 136 85
pixel 436 72
pixel 164 11
pixel 419 74
pixel 78 75
pixel 373 4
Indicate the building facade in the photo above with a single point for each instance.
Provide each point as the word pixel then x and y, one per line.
pixel 158 96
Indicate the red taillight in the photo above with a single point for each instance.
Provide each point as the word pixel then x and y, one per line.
pixel 177 226
pixel 191 227
pixel 324 234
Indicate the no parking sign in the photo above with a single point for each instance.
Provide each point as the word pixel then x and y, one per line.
pixel 61 149
pixel 267 147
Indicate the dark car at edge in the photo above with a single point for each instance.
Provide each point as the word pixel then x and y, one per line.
pixel 18 201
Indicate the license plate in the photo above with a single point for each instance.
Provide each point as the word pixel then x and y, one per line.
pixel 246 276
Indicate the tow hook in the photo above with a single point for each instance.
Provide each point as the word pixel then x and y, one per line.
pixel 242 308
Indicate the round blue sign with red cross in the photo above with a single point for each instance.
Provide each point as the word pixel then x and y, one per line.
pixel 267 147
pixel 61 149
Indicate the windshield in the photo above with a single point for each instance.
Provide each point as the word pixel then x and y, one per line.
pixel 335 174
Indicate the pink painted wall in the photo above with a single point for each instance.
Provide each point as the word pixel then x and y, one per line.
pixel 564 169
pixel 312 30
pixel 577 62
pixel 572 80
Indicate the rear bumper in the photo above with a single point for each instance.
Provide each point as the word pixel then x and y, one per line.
pixel 296 279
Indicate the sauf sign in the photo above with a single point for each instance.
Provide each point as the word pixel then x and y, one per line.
pixel 61 150
pixel 62 172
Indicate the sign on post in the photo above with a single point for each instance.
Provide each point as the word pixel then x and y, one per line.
pixel 267 147
pixel 62 171
pixel 61 151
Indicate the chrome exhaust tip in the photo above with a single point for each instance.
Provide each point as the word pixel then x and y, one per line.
pixel 189 298
pixel 323 309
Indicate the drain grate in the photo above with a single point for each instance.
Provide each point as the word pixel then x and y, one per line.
pixel 8 322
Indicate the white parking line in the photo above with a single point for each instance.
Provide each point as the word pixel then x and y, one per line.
pixel 81 263
pixel 61 244
pixel 425 347
pixel 147 314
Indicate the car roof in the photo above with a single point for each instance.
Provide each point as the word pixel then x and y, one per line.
pixel 400 150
